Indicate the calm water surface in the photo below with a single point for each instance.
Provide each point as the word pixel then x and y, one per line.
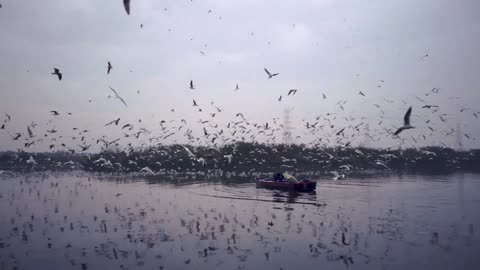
pixel 79 221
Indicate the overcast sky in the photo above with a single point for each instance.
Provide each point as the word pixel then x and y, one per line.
pixel 395 52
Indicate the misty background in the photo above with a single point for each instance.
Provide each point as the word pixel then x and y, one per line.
pixel 395 52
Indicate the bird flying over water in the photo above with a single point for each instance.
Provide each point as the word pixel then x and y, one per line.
pixel 118 96
pixel 194 103
pixel 126 5
pixel 109 67
pixel 406 122
pixel 56 71
pixel 269 74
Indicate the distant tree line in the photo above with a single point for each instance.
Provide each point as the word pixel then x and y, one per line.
pixel 249 159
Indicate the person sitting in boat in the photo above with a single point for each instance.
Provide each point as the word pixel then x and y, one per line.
pixel 290 178
pixel 278 177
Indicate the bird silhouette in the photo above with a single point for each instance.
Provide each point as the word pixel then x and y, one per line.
pixel 126 5
pixel 118 96
pixel 406 122
pixel 269 74
pixel 192 87
pixel 109 67
pixel 56 71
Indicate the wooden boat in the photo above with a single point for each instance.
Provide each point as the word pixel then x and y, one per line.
pixel 303 186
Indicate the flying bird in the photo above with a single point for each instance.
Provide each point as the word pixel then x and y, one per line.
pixel 324 96
pixel 114 121
pixel 54 112
pixel 429 106
pixel 280 98
pixel 292 91
pixel 191 85
pixel 361 93
pixel 269 74
pixel 126 4
pixel 406 122
pixel 118 96
pixel 237 88
pixel 194 103
pixel 30 133
pixel 56 71
pixel 109 67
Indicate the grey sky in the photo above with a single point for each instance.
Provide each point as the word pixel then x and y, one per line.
pixel 331 47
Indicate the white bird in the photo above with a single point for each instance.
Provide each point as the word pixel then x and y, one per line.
pixel 406 122
pixel 381 164
pixel 147 171
pixel 9 173
pixel 229 158
pixel 337 176
pixel 118 96
pixel 32 161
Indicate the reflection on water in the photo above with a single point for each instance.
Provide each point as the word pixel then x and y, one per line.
pixel 83 222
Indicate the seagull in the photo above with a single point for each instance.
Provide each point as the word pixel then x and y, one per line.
pixel 406 122
pixel 337 176
pixel 324 96
pixel 109 67
pixel 126 4
pixel 237 88
pixel 429 106
pixel 191 85
pixel 292 91
pixel 30 133
pixel 280 98
pixel 114 121
pixel 119 97
pixel 54 112
pixel 56 71
pixel 269 74
pixel 194 103
pixel 361 93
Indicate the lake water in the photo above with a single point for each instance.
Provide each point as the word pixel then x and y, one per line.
pixel 81 221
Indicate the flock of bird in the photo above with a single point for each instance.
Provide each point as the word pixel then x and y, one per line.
pixel 340 127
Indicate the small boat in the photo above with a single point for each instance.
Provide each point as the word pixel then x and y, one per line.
pixel 303 186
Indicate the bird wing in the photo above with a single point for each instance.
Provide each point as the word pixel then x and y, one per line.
pixel 118 96
pixel 267 72
pixel 406 118
pixel 126 4
pixel 397 132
